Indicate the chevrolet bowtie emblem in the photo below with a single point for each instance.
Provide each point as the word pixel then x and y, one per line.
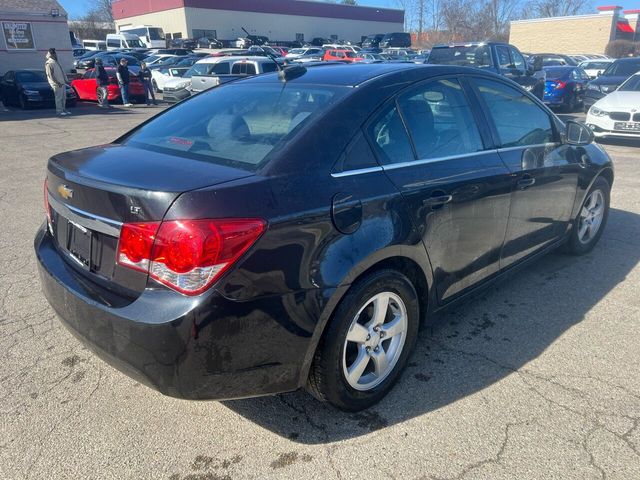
pixel 65 192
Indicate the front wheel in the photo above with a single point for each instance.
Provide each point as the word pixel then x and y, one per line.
pixel 154 85
pixel 589 224
pixel 367 343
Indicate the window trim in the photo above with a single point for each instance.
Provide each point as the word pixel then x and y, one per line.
pixel 489 119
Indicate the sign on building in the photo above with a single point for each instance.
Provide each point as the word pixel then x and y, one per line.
pixel 18 35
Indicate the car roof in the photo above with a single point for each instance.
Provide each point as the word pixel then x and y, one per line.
pixel 629 59
pixel 341 74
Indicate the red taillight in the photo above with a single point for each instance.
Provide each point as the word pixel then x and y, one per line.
pixel 560 85
pixel 47 208
pixel 187 255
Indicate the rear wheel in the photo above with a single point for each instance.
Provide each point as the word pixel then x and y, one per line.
pixel 367 343
pixel 100 95
pixel 589 224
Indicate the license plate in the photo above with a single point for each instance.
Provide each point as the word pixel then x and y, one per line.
pixel 79 244
pixel 633 126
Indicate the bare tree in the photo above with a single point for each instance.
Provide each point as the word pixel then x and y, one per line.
pixel 557 8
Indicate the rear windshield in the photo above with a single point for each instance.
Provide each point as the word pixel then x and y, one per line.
pixel 631 85
pixel 622 69
pixel 555 73
pixel 594 65
pixel 28 77
pixel 472 56
pixel 236 125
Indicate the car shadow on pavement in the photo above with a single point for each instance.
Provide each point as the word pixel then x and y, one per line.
pixel 489 338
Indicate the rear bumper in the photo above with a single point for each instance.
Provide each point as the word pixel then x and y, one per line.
pixel 205 347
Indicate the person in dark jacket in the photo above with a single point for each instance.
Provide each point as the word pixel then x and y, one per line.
pixel 145 78
pixel 102 80
pixel 123 81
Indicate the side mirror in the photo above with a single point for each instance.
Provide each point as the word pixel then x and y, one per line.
pixel 577 133
pixel 537 64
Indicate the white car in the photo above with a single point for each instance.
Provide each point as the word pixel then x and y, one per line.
pixel 618 114
pixel 160 76
pixel 593 68
pixel 304 52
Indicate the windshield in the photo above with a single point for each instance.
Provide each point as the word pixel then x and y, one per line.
pixel 622 69
pixel 351 55
pixel 473 56
pixel 236 125
pixel 297 51
pixel 28 77
pixel 556 73
pixel 134 43
pixel 156 34
pixel 632 84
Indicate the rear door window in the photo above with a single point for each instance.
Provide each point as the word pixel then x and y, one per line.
pixel 504 61
pixel 439 120
pixel 519 121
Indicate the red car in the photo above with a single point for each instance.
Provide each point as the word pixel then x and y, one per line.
pixel 341 55
pixel 86 87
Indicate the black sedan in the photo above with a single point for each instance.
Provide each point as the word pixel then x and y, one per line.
pixel 293 230
pixel 30 88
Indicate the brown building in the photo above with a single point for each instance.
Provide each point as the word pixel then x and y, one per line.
pixel 576 34
pixel 29 29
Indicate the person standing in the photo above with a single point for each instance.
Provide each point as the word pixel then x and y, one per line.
pixel 102 79
pixel 145 78
pixel 58 81
pixel 123 81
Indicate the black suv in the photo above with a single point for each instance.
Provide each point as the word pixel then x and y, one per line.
pixel 501 58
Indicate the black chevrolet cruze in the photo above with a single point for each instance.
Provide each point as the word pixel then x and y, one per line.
pixel 294 229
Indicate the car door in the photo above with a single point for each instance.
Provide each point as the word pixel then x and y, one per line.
pixel 453 182
pixel 544 171
pixel 84 85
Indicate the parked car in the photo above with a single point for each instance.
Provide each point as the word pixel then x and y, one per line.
pixel 183 43
pixel 565 87
pixel 291 231
pixel 30 88
pixel 161 75
pixel 207 42
pixel 610 80
pixel 372 58
pixel 283 51
pixel 497 57
pixel 157 58
pixel 86 87
pixel 295 53
pixel 372 41
pixel 595 67
pixel 177 89
pixel 116 41
pixel 618 114
pixel 108 58
pixel 396 39
pixel 86 60
pixel 554 59
pixel 78 52
pixel 228 69
pixel 341 56
pixel 181 52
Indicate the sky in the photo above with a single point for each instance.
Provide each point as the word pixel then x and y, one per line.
pixel 76 8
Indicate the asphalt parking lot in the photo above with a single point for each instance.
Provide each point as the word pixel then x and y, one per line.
pixel 539 378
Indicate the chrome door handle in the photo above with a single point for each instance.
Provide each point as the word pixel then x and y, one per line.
pixel 437 201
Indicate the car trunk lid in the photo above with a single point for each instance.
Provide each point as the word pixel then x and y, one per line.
pixel 92 192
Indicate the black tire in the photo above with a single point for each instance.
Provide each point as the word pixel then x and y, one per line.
pixel 574 245
pixel 327 381
pixel 154 85
pixel 570 105
pixel 585 107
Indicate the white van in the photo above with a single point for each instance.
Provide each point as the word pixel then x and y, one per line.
pixel 150 36
pixel 123 40
pixel 94 44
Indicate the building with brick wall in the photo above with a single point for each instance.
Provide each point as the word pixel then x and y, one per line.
pixel 575 34
pixel 285 20
pixel 29 29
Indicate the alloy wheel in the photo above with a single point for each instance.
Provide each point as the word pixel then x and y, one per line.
pixel 591 216
pixel 375 340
